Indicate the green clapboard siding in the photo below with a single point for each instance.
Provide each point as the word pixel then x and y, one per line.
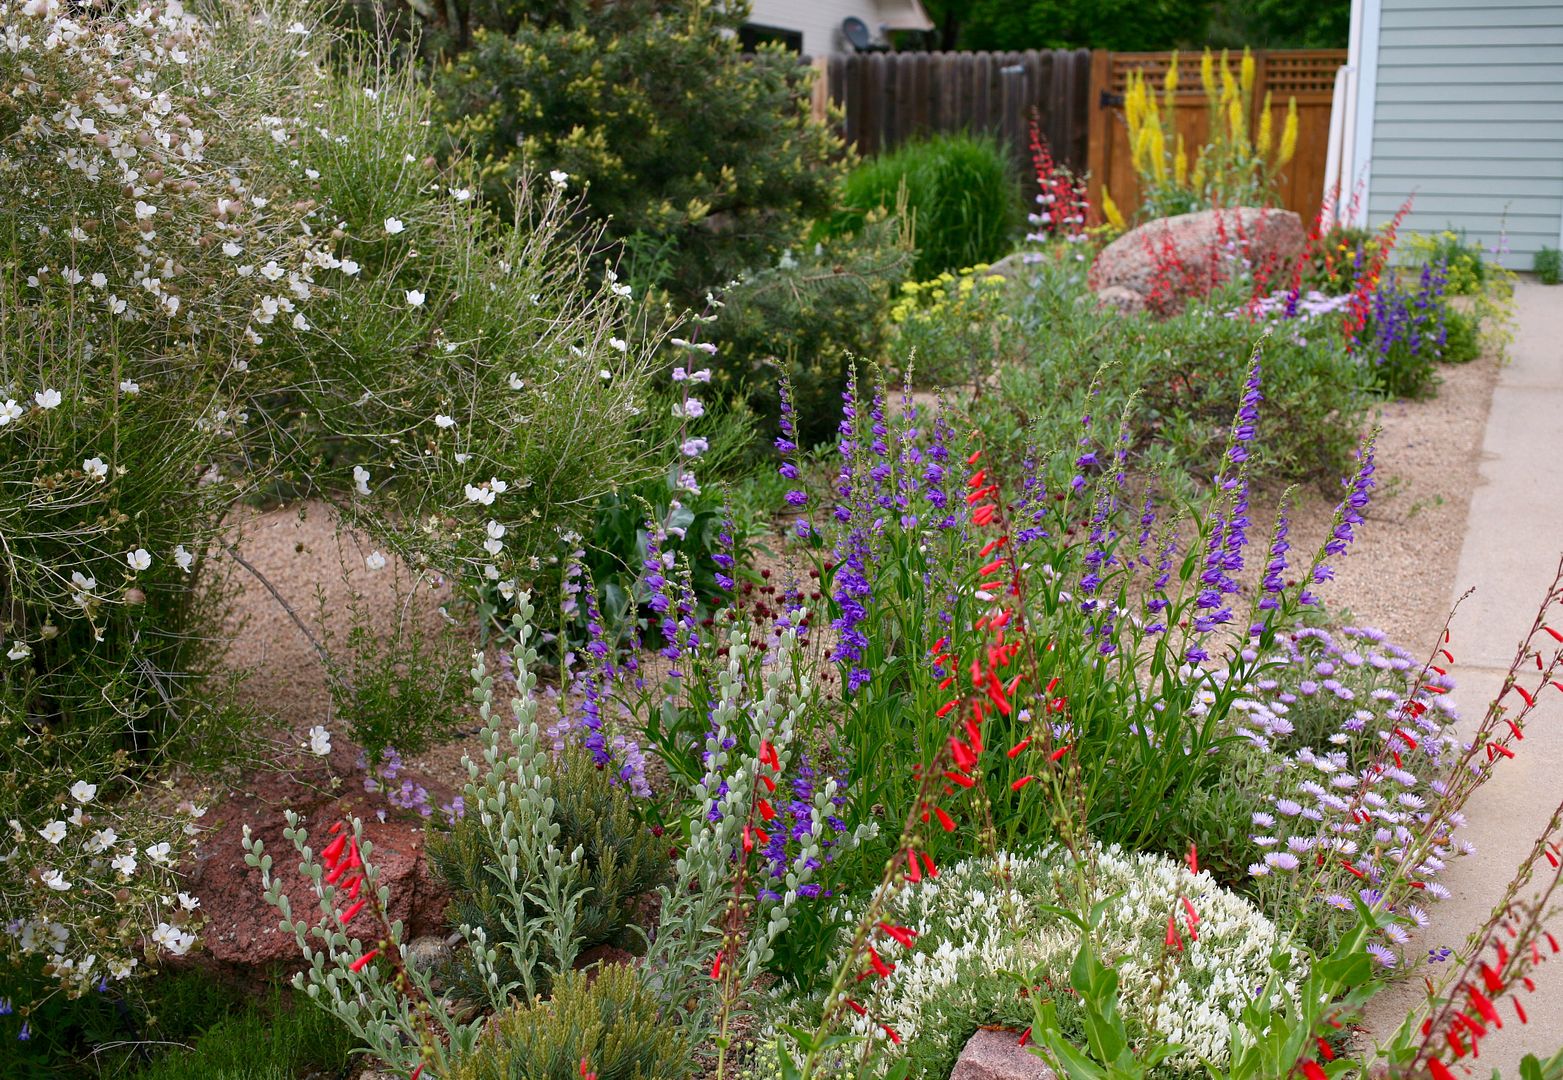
pixel 1468 116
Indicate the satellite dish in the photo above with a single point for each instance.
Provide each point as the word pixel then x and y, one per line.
pixel 855 30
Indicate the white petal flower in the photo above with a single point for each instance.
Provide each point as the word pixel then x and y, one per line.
pixel 619 344
pixel 495 529
pixel 182 558
pixel 83 792
pixel 129 386
pixel 99 280
pixel 100 841
pixel 350 268
pixel 124 863
pixel 10 411
pixel 55 880
pixel 461 194
pixel 19 650
pixel 394 225
pixel 515 381
pixel 360 479
pixel 47 399
pixel 443 421
pixel 374 561
pixel 559 177
pixel 415 298
pixel 95 468
pixel 159 853
pixel 319 741
pixel 497 486
pixel 492 546
pixel 53 832
pixel 139 559
pixel 173 939
pixel 481 495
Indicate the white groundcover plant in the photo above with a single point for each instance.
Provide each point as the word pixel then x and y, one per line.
pixel 984 921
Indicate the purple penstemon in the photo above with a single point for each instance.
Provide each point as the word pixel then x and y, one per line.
pixel 787 446
pixel 723 556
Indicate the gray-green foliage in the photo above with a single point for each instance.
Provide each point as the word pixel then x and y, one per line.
pixel 621 860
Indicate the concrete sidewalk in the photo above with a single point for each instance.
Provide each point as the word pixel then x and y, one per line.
pixel 1514 536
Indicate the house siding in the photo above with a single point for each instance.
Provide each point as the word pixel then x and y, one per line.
pixel 819 20
pixel 1468 117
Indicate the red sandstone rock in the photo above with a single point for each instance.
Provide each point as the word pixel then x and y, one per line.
pixel 1166 262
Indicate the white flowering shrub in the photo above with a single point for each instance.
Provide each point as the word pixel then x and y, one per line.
pixel 984 921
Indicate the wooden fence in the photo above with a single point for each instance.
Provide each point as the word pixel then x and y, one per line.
pixel 888 98
pixel 1307 75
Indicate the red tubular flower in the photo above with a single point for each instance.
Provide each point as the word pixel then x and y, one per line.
pixel 1522 692
pixel 958 778
pixel 1022 782
pixel 1189 908
pixel 333 851
pixel 1324 1049
pixel 347 916
pixel 1438 1070
pixel 1312 1071
pixel 855 1007
pixel 877 962
pixel 976 455
pixel 1057 755
pixel 933 871
pixel 991 546
pixel 944 710
pixel 586 1071
pixel 1025 1037
pixel 1483 1004
pixel 416 1072
pixel 1174 939
pixel 891 1032
pixel 1019 748
pixel 964 758
pixel 1491 979
pixel 944 819
pixel 768 755
pixel 1519 1010
pixel 767 811
pixel 716 965
pixel 977 478
pixel 904 935
pixel 350 889
pixel 1555 635
pixel 983 514
pixel 1192 858
pixel 913 873
pixel 365 960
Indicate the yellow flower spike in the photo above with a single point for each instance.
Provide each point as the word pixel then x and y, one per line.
pixel 1111 212
pixel 1288 135
pixel 1180 165
pixel 1235 120
pixel 1169 81
pixel 1144 147
pixel 1207 76
pixel 1246 72
pixel 1197 181
pixel 1158 154
pixel 1265 126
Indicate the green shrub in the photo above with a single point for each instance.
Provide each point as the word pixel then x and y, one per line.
pixel 281 1043
pixel 1465 262
pixel 1547 265
pixel 605 1022
pixel 1462 336
pixel 810 315
pixel 1177 376
pixel 953 330
pixel 620 861
pixel 960 191
pixel 703 161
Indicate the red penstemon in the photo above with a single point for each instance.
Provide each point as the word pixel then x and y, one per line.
pixel 982 684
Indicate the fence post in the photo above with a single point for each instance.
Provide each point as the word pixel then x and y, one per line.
pixel 819 91
pixel 1098 134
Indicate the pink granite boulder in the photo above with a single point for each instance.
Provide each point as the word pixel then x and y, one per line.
pixel 1163 264
pixel 997 1055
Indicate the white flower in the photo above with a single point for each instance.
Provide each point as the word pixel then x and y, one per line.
pixel 124 863
pixel 182 558
pixel 144 210
pixel 232 250
pixel 95 468
pixel 82 582
pixel 55 880
pixel 482 495
pixel 53 832
pixel 10 411
pixel 100 841
pixel 461 194
pixel 605 373
pixel 19 650
pixel 83 792
pixel 559 177
pixel 47 399
pixel 619 344
pixel 462 459
pixel 492 546
pixel 129 386
pixel 173 939
pixel 374 561
pixel 350 268
pixel 319 741
pixel 415 298
pixel 139 559
pixel 443 421
pixel 394 225
pixel 188 902
pixel 360 479
pixel 159 852
pixel 99 280
pixel 516 382
pixel 621 290
pixel 499 487
pixel 495 530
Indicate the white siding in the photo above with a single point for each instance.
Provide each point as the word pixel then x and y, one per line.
pixel 820 20
pixel 1467 114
